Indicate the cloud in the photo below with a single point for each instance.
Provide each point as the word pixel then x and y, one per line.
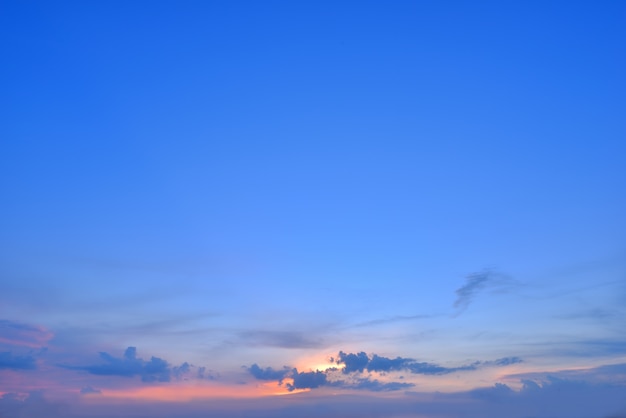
pixel 397 318
pixel 203 373
pixel 268 373
pixel 598 314
pixel 373 385
pixel 505 361
pixel 20 334
pixel 154 370
pixel 281 339
pixel 181 371
pixel 10 361
pixel 355 364
pixel 477 282
pixel 361 361
pixel 30 405
pixel 307 380
pixel 88 390
pixel 555 398
pixel 319 378
pixel 595 375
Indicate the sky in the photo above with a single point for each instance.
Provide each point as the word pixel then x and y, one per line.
pixel 408 209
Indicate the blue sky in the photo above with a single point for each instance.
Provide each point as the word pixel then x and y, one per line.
pixel 229 184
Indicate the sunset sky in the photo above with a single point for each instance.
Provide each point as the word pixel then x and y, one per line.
pixel 405 209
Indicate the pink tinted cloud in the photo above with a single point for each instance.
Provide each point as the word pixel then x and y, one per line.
pixel 23 335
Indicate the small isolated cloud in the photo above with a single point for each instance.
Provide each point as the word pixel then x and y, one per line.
pixel 15 362
pixel 88 390
pixel 476 283
pixel 153 370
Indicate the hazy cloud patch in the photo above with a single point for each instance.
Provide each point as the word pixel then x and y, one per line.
pixel 21 334
pixel 17 362
pixel 88 390
pixel 374 385
pixel 505 361
pixel 610 373
pixel 281 339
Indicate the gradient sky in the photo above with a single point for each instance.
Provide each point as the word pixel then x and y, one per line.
pixel 383 209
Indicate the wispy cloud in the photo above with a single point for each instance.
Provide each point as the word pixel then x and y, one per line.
pixel 391 319
pixel 268 373
pixel 281 339
pixel 20 334
pixel 476 283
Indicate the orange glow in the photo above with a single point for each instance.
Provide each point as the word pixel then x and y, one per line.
pixel 185 393
pixel 319 362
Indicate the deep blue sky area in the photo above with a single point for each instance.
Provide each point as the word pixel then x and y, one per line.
pixel 241 182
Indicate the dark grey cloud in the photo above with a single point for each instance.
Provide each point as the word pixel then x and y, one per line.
pixel 153 370
pixel 319 378
pixel 384 364
pixel 281 339
pixel 477 282
pixel 16 362
pixel 352 362
pixel 307 380
pixel 268 373
pixel 361 361
pixel 355 364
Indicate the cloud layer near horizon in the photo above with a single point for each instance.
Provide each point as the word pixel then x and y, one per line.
pixel 557 398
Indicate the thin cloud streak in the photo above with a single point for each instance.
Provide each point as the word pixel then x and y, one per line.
pixel 479 282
